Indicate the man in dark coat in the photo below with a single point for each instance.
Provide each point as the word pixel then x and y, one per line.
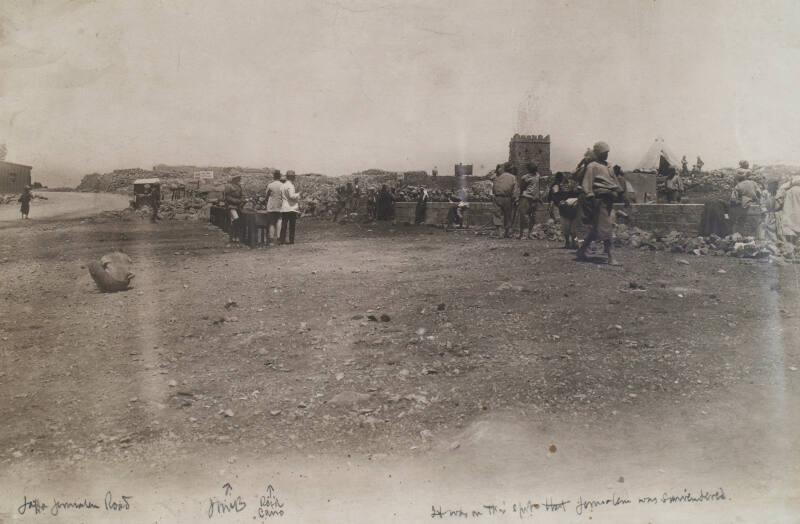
pixel 421 213
pixel 385 203
pixel 234 200
pixel 25 202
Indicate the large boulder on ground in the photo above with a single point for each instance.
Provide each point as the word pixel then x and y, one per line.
pixel 113 272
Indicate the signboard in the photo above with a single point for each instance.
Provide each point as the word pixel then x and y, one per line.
pixel 204 175
pixel 463 169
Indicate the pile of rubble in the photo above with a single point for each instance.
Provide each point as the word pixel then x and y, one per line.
pixel 480 191
pixel 550 230
pixel 734 245
pixel 716 184
pixel 120 180
pixel 184 209
pixel 123 215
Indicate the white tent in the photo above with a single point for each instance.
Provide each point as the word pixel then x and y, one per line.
pixel 658 157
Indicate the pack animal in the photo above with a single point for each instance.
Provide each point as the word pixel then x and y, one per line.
pixel 112 273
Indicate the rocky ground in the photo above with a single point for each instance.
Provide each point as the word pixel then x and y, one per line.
pixel 360 338
pixel 373 372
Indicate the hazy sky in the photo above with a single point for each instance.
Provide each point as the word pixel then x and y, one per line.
pixel 335 86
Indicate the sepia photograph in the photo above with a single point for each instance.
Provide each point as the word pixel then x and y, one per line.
pixel 399 261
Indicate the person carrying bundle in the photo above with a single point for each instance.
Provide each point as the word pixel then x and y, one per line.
pixel 563 195
pixel 600 190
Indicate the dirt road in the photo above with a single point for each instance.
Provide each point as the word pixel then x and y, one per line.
pixel 66 206
pixel 436 371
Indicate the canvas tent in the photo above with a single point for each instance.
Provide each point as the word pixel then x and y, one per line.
pixel 658 158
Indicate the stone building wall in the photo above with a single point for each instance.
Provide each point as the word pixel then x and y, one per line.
pixel 530 148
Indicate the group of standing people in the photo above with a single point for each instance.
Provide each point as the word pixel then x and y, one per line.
pixel 778 204
pixel 348 199
pixel 283 207
pixel 380 203
pixel 514 197
pixel 590 194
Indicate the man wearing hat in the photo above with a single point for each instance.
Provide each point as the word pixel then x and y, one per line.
pixel 601 190
pixel 234 199
pixel 25 201
pixel 290 207
pixel 274 207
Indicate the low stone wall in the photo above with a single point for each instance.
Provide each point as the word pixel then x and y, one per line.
pixel 683 218
pixel 663 218
pixel 658 218
pixel 479 214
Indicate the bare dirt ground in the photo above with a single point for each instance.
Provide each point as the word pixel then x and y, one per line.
pixel 500 369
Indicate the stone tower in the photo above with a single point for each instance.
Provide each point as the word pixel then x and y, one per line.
pixel 530 148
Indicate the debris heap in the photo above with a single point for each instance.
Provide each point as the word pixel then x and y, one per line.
pixel 734 245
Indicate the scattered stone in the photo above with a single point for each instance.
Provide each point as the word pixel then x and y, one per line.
pixel 385 318
pixel 172 383
pixel 349 398
pixel 112 273
pixel 228 412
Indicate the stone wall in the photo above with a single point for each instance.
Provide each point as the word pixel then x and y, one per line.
pixel 658 218
pixel 663 218
pixel 683 218
pixel 530 148
pixel 479 214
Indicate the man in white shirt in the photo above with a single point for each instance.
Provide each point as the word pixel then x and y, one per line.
pixel 274 205
pixel 290 207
